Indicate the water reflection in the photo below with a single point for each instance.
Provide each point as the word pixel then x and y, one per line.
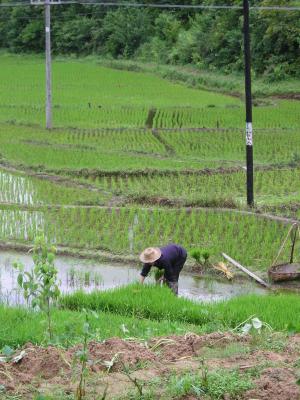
pixel 77 274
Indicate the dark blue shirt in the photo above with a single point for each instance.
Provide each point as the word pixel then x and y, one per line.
pixel 171 260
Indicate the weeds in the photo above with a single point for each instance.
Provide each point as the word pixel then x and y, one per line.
pixel 137 384
pixel 215 384
pixel 82 357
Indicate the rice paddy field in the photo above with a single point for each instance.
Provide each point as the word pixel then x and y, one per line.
pixel 131 155
pixel 133 161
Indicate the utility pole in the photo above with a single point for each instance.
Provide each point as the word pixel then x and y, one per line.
pixel 248 100
pixel 47 5
pixel 48 64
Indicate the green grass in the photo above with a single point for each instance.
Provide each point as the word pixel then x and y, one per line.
pixel 216 385
pixel 148 312
pixel 191 76
pixel 282 312
pixel 19 326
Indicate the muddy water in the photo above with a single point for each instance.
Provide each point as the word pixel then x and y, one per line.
pixel 77 274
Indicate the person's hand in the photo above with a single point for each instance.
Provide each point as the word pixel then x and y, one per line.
pixel 142 278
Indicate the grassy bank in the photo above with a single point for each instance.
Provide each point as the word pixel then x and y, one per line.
pixel 147 301
pixel 282 311
pixel 145 313
pixel 19 326
pixel 209 80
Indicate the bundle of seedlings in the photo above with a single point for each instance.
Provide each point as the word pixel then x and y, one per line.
pixel 203 265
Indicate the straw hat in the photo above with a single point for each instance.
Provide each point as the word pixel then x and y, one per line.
pixel 150 255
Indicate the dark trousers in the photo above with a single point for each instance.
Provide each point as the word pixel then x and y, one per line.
pixel 172 282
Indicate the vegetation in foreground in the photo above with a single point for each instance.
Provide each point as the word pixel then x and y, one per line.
pixel 280 311
pixel 228 363
pixel 20 326
pixel 214 367
pixel 78 350
pixel 145 312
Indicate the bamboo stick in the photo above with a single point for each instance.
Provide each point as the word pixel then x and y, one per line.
pixel 251 274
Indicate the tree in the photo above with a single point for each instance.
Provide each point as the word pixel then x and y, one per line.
pixel 124 30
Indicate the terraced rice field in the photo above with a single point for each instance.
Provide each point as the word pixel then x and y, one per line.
pixel 128 230
pixel 129 151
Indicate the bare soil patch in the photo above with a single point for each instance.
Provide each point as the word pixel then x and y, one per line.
pixel 119 352
pixel 275 384
pixel 289 96
pixel 44 369
pixel 173 348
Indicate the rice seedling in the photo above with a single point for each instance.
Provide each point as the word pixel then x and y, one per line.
pixel 105 103
pixel 271 187
pixel 17 188
pixel 149 302
pixel 249 238
pixel 119 151
pixel 154 302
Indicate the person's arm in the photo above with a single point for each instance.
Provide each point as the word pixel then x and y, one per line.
pixel 145 271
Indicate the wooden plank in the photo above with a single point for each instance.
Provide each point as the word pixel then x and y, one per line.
pixel 251 274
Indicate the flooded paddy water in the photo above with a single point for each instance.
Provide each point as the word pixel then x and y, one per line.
pixel 89 275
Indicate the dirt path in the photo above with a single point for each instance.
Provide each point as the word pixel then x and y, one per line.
pixel 52 369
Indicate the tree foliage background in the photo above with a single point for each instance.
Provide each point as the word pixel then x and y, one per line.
pixel 210 39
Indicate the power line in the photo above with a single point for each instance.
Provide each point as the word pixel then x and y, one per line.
pixel 60 17
pixel 153 5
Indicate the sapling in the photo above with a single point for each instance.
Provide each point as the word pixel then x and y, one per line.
pixel 40 285
pixel 82 356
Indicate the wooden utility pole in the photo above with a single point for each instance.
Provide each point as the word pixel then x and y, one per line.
pixel 248 99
